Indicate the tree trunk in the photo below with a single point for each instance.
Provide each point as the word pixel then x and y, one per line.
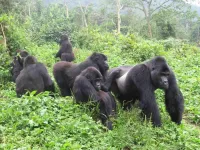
pixel 4 36
pixel 67 11
pixel 118 17
pixel 149 28
pixel 83 15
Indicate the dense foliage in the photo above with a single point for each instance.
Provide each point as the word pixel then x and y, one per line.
pixel 38 122
pixel 43 122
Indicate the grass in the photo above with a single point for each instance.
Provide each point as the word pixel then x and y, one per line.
pixel 43 122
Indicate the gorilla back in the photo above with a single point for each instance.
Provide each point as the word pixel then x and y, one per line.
pixel 66 72
pixel 139 83
pixel 34 76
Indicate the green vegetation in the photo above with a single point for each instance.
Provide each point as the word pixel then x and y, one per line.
pixel 43 122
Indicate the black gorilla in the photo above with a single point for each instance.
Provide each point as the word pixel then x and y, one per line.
pixel 17 64
pixel 67 57
pixel 66 72
pixel 140 82
pixel 87 86
pixel 34 76
pixel 65 47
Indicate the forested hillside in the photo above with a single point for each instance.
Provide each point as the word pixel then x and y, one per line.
pixel 127 35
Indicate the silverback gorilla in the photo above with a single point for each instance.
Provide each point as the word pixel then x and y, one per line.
pixel 88 86
pixel 140 82
pixel 17 64
pixel 66 72
pixel 65 52
pixel 34 76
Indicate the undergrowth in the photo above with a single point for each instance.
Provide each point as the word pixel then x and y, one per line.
pixel 43 122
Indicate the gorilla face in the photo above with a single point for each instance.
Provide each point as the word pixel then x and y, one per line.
pixel 93 76
pixel 63 38
pixel 101 61
pixel 97 84
pixel 22 55
pixel 159 76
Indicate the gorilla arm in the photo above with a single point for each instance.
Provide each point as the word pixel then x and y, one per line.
pixel 107 108
pixel 58 54
pixel 110 77
pixel 142 80
pixel 48 83
pixel 83 90
pixel 174 100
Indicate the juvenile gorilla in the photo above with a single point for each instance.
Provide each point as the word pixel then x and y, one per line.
pixel 34 76
pixel 65 49
pixel 66 72
pixel 17 64
pixel 87 86
pixel 67 57
pixel 140 82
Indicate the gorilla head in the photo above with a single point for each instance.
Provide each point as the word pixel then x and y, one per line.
pixel 17 63
pixel 22 54
pixel 29 60
pixel 101 61
pixel 93 76
pixel 63 38
pixel 159 72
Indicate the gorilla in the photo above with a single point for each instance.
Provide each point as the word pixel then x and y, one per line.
pixel 67 57
pixel 17 64
pixel 139 83
pixel 65 47
pixel 23 53
pixel 16 67
pixel 87 86
pixel 34 76
pixel 66 72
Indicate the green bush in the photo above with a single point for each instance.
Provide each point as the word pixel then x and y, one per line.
pixel 43 122
pixel 50 24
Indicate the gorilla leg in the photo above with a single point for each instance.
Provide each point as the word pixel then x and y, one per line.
pixel 107 108
pixel 64 89
pixel 150 108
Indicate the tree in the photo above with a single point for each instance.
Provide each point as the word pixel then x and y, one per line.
pixel 84 10
pixel 119 7
pixel 149 7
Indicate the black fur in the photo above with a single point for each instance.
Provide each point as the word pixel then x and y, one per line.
pixel 65 47
pixel 87 86
pixel 34 76
pixel 139 83
pixel 17 64
pixel 66 72
pixel 16 67
pixel 67 57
